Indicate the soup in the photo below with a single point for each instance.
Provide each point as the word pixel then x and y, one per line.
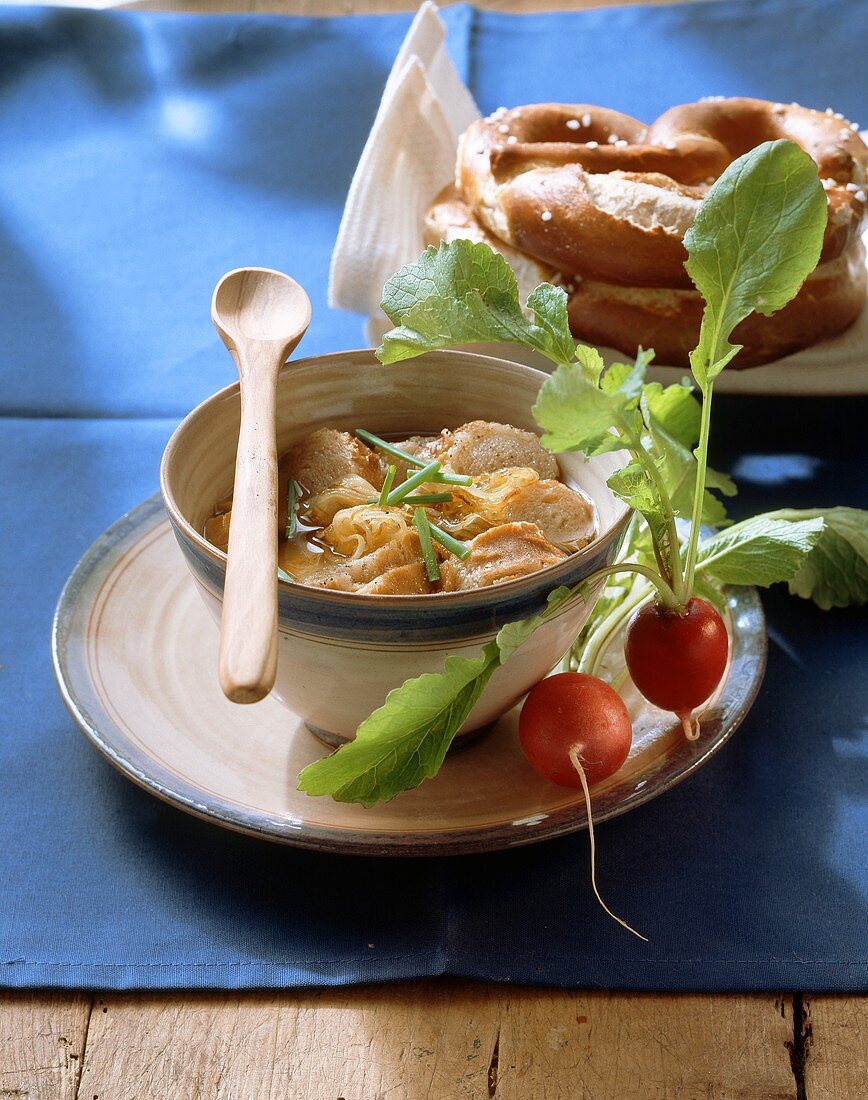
pixel 464 509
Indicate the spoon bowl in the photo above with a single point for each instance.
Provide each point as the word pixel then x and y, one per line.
pixel 256 303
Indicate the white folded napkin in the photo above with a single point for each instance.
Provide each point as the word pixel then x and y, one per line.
pixel 409 156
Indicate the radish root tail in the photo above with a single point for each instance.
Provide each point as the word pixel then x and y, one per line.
pixel 689 724
pixel 577 764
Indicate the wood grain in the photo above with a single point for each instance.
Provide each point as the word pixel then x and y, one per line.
pixel 42 1042
pixel 435 1040
pixel 439 1040
pixel 835 1042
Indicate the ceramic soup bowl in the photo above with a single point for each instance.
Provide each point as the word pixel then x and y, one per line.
pixel 339 654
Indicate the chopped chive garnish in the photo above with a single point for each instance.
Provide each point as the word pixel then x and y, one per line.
pixel 387 485
pixel 284 576
pixel 412 482
pixel 291 507
pixel 454 546
pixel 412 460
pixel 421 498
pixel 428 498
pixel 420 522
pixel 454 479
pixel 389 448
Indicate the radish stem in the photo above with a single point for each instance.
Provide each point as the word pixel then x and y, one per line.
pixel 596 642
pixel 671 573
pixel 577 764
pixel 699 493
pixel 664 590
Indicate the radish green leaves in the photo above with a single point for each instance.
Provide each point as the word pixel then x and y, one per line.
pixel 761 550
pixel 756 238
pixel 405 741
pixel 835 573
pixel 468 294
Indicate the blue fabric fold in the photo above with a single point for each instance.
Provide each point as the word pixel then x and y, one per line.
pixel 145 154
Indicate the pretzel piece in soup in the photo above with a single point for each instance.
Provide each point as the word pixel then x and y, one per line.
pixel 403 580
pixel 348 492
pixel 359 573
pixel 564 516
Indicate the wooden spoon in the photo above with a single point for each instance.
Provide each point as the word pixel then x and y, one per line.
pixel 261 315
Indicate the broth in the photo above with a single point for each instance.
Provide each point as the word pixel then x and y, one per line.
pixel 500 511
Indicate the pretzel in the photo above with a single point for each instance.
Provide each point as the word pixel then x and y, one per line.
pixel 594 192
pixel 668 318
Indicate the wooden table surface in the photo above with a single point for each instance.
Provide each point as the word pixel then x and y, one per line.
pixel 444 1040
pixel 432 1040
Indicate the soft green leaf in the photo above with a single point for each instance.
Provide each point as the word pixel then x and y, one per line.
pixel 441 321
pixel 627 382
pixel 548 304
pixel 582 407
pixel 612 407
pixel 573 412
pixel 835 573
pixel 679 470
pixel 633 485
pixel 761 550
pixel 672 416
pixel 464 293
pixel 715 479
pixel 608 441
pixel 615 377
pixel 591 361
pixel 405 740
pixel 756 238
pixel 449 271
pixel 626 378
pixel 675 409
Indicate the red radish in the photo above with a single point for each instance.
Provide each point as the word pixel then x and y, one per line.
pixel 574 711
pixel 575 730
pixel 677 661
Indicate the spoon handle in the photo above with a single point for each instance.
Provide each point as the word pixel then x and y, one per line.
pixel 248 630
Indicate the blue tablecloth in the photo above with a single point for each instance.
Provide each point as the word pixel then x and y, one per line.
pixel 143 155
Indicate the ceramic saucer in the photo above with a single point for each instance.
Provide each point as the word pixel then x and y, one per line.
pixel 135 655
